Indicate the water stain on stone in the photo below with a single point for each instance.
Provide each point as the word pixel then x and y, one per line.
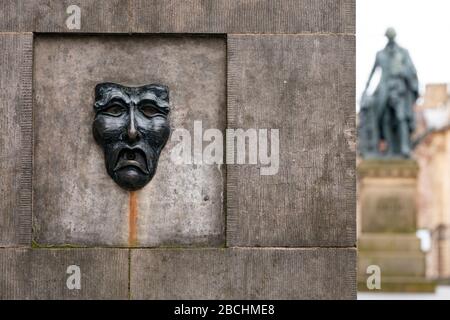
pixel 132 219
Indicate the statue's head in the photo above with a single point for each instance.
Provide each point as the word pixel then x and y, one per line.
pixel 131 125
pixel 390 34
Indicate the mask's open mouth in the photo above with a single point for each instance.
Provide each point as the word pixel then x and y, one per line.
pixel 132 158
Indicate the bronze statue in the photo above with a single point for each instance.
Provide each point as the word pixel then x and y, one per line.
pixel 388 114
pixel 132 126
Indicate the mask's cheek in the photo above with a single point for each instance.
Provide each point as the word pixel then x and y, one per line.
pixel 111 154
pixel 108 129
pixel 155 140
pixel 156 132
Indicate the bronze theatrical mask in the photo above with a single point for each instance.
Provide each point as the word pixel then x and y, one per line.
pixel 132 126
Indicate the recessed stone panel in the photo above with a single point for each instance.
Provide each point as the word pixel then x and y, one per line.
pixel 75 201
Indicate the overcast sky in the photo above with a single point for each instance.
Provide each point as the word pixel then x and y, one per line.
pixel 423 27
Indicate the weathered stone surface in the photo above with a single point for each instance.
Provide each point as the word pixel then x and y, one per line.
pixel 42 273
pixel 15 138
pixel 75 201
pixel 388 193
pixel 239 273
pixel 303 86
pixel 51 16
pixel 244 16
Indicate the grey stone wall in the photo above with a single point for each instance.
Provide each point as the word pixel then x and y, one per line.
pixel 204 231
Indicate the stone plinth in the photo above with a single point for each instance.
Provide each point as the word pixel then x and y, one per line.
pixel 387 212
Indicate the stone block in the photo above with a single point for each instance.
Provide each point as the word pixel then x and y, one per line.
pixel 51 16
pixel 43 273
pixel 244 16
pixel 16 139
pixel 75 201
pixel 238 273
pixel 302 85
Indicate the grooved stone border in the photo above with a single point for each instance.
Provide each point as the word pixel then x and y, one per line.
pixel 16 146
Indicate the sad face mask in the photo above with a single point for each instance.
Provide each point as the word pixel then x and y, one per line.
pixel 131 125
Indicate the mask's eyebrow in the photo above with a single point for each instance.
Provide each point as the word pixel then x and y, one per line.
pixel 111 96
pixel 151 98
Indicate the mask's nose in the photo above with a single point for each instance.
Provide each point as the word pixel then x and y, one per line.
pixel 132 131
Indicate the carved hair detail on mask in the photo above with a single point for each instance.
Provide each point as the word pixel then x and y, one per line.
pixel 131 124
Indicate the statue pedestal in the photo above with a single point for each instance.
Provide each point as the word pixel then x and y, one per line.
pixel 387 213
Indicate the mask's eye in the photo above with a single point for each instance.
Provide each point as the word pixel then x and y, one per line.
pixel 150 110
pixel 114 110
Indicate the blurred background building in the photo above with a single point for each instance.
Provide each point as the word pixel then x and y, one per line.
pixel 432 152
